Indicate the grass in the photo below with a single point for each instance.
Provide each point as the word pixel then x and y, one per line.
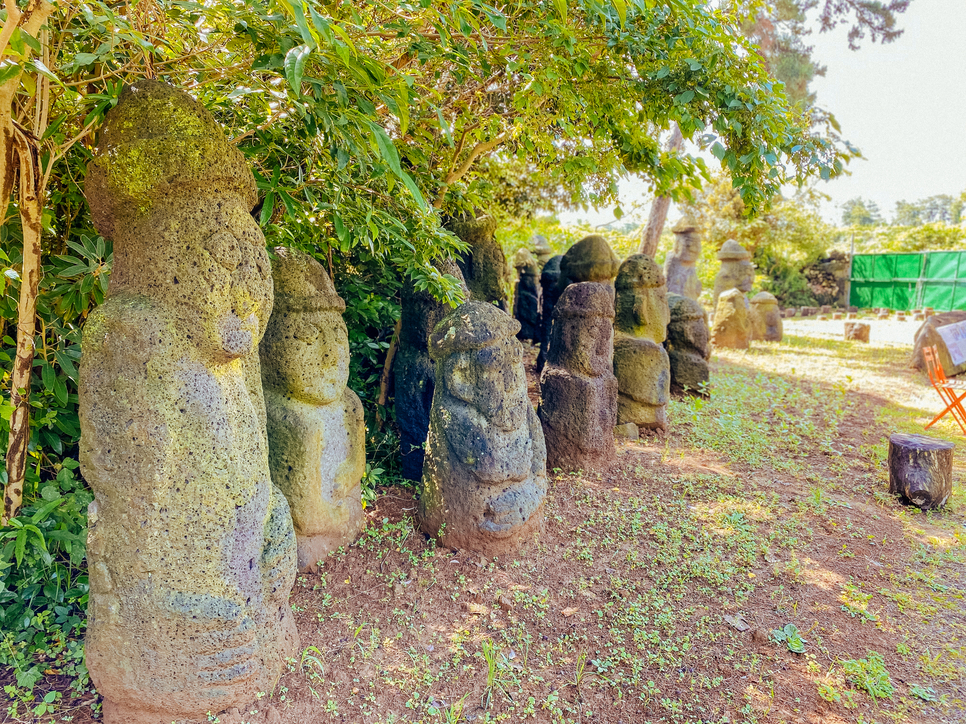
pixel 766 504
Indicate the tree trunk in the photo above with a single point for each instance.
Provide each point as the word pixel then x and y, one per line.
pixel 659 209
pixel 30 216
pixel 19 152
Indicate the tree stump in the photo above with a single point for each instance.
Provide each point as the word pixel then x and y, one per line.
pixel 920 470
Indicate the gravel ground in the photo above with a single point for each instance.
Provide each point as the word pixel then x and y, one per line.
pixel 883 332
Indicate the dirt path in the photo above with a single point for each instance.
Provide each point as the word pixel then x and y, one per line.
pixel 655 589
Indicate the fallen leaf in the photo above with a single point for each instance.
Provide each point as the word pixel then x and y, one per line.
pixel 568 612
pixel 738 622
pixel 477 609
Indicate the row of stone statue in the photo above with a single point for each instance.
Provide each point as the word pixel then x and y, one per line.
pixel 225 451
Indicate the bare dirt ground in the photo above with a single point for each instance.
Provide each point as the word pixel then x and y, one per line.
pixel 656 588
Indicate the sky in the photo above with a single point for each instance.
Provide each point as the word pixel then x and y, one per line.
pixel 902 104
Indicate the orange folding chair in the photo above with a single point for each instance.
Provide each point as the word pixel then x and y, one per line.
pixel 952 392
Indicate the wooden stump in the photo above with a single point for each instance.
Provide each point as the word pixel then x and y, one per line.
pixel 920 470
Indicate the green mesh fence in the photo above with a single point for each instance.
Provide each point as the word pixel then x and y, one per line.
pixel 934 279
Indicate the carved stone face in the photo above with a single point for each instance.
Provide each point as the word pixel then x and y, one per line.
pixel 687 247
pixel 308 359
pixel 492 380
pixel 240 290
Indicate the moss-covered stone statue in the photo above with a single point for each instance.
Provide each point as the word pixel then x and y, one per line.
pixel 737 271
pixel 688 344
pixel 731 327
pixel 766 318
pixel 549 293
pixel 541 249
pixel 589 260
pixel 578 402
pixel 190 548
pixel 526 300
pixel 484 478
pixel 641 364
pixel 484 266
pixel 680 267
pixel 316 431
pixel 413 374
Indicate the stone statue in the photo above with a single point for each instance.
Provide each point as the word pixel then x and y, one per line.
pixel 550 292
pixel 640 327
pixel 191 551
pixel 541 249
pixel 766 318
pixel 732 326
pixel 680 265
pixel 688 344
pixel 526 300
pixel 484 266
pixel 589 260
pixel 737 271
pixel 578 405
pixel 485 475
pixel 414 377
pixel 316 431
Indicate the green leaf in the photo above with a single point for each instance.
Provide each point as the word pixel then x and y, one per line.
pixel 48 376
pixel 718 151
pixel 391 156
pixel 295 66
pixel 621 7
pixel 267 207
pixel 39 66
pixel 8 72
pixel 561 6
pixel 683 98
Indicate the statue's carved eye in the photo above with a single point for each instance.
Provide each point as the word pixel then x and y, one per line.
pixel 223 246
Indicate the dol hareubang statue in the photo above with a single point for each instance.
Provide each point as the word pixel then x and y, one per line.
pixel 641 364
pixel 316 431
pixel 485 475
pixel 191 550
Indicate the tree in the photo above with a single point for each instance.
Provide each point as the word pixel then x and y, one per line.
pixel 941 208
pixel 365 123
pixel 859 212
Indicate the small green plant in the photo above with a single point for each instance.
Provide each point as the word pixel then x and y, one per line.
pixel 311 663
pixel 790 636
pixel 924 693
pixel 870 675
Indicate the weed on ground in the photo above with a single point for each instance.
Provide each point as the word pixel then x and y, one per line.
pixel 750 566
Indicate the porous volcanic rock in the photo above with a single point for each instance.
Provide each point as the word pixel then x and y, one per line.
pixel 688 344
pixel 316 430
pixel 190 549
pixel 484 479
pixel 641 363
pixel 578 403
pixel 731 327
